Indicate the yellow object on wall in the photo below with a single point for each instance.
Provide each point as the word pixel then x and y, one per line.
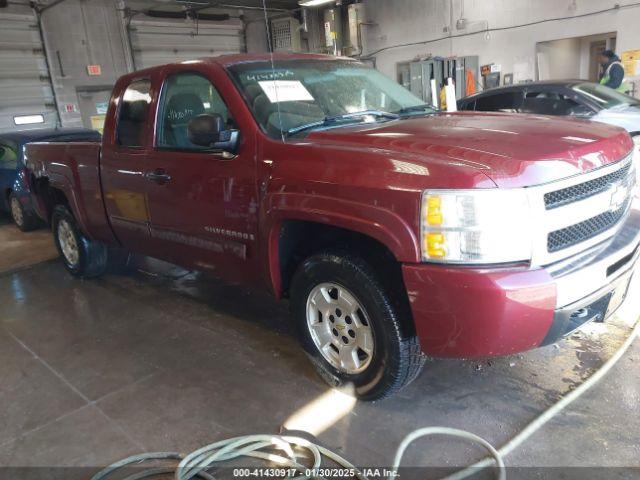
pixel 97 122
pixel 631 62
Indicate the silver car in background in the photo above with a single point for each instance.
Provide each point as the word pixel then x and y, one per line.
pixel 577 98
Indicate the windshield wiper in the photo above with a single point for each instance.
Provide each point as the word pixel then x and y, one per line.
pixel 416 108
pixel 332 120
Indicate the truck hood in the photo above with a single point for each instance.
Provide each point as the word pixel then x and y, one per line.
pixel 512 150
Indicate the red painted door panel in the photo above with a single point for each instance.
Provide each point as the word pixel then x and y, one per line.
pixel 202 205
pixel 204 216
pixel 123 165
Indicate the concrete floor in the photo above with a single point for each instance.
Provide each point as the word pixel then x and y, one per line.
pixel 163 359
pixel 19 250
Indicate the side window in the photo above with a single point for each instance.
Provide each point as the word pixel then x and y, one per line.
pixel 552 103
pixel 500 102
pixel 470 105
pixel 185 96
pixel 134 112
pixel 8 157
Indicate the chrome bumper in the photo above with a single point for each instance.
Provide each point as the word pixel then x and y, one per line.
pixel 586 275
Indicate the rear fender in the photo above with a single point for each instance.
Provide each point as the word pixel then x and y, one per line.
pixel 64 181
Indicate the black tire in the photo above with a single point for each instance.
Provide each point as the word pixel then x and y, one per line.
pixel 397 358
pixel 25 221
pixel 92 256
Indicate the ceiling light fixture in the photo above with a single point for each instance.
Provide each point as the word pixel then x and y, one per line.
pixel 313 3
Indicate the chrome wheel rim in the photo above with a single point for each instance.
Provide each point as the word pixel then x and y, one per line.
pixel 16 211
pixel 340 328
pixel 68 243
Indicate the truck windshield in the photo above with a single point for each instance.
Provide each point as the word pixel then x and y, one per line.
pixel 298 95
pixel 604 96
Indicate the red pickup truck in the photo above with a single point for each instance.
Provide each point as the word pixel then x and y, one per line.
pixel 395 230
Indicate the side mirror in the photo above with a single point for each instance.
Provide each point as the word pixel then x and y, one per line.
pixel 209 130
pixel 205 129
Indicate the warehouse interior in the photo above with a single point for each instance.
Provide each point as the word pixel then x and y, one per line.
pixel 158 355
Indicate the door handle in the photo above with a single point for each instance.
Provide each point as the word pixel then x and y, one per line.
pixel 158 176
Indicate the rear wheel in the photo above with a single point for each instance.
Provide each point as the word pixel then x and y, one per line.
pixel 82 256
pixel 350 326
pixel 24 220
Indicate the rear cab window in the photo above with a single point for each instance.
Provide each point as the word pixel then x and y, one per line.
pixel 133 114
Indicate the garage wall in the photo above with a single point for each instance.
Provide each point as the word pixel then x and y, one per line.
pixel 406 21
pixel 157 41
pixel 25 87
pixel 79 33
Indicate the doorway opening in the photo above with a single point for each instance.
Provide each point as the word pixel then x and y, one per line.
pixel 573 58
pixel 93 103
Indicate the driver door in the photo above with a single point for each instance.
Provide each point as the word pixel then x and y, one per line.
pixel 202 203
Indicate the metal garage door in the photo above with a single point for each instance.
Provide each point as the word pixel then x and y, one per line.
pixel 157 41
pixel 25 88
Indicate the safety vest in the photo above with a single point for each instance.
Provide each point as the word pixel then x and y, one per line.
pixel 624 86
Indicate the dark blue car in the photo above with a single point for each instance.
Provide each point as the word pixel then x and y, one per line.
pixel 14 177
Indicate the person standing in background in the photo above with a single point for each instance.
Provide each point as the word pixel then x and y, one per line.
pixel 612 72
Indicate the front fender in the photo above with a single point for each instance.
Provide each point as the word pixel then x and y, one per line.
pixel 381 224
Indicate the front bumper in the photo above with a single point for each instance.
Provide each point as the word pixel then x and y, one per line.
pixel 480 312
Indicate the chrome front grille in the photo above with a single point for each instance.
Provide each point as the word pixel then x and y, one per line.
pixel 584 190
pixel 572 215
pixel 580 232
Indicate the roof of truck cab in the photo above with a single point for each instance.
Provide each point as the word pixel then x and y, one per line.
pixel 228 60
pixel 20 137
pixel 237 59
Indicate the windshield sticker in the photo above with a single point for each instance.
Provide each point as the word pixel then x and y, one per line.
pixel 285 91
pixel 269 75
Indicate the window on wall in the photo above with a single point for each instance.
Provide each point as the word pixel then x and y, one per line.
pixel 185 96
pixel 134 112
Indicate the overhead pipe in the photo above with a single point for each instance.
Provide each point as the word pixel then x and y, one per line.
pixel 187 14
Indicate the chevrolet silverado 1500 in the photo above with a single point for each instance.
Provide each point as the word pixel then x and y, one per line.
pixel 395 230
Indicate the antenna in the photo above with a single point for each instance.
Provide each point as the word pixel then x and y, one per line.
pixel 273 68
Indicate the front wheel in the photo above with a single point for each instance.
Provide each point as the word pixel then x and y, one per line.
pixel 82 256
pixel 349 325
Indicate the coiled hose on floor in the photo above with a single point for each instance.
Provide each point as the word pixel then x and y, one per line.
pixel 295 450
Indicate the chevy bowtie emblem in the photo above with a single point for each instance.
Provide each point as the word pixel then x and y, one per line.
pixel 618 197
pixel 340 327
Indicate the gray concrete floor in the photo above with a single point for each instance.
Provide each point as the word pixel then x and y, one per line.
pixel 19 250
pixel 163 359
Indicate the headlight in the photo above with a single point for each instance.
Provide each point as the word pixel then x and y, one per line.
pixel 475 226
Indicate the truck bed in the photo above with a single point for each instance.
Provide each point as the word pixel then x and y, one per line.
pixel 73 169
